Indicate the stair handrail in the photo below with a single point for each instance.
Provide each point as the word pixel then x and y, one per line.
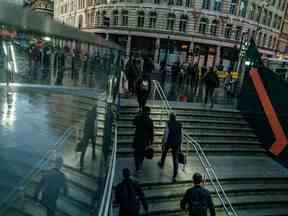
pixel 6 203
pixel 200 154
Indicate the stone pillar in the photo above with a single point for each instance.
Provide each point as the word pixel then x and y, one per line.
pixel 128 45
pixel 157 49
pixel 218 56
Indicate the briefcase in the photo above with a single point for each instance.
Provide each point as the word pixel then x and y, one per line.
pixel 182 158
pixel 149 153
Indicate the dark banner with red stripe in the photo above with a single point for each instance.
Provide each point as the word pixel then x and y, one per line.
pixel 264 102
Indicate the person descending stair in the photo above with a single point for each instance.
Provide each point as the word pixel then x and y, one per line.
pixel 143 137
pixel 52 183
pixel 127 195
pixel 197 200
pixel 172 139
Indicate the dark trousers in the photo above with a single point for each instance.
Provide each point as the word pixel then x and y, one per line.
pixel 142 99
pixel 138 158
pixel 209 94
pixel 50 212
pixel 131 85
pixel 85 149
pixel 124 212
pixel 175 152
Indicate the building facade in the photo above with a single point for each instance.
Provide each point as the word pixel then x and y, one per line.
pixel 207 31
pixel 43 6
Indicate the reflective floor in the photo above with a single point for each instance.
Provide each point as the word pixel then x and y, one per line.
pixel 30 123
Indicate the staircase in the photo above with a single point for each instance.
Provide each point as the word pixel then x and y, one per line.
pixel 82 186
pixel 253 181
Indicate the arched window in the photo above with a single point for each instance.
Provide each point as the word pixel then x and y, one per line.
pixel 217 5
pixel 80 22
pixel 152 19
pixel 124 17
pixel 115 17
pixel 141 19
pixel 170 21
pixel 233 6
pixel 228 31
pixel 214 27
pixel 205 4
pixel 203 25
pixel 170 2
pixel 183 23
pixel 238 33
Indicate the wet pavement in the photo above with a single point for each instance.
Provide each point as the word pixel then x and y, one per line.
pixel 31 122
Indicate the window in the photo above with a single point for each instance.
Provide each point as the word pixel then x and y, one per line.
pixel 152 20
pixel 205 4
pixel 156 1
pixel 183 23
pixel 217 5
pixel 233 5
pixel 141 19
pixel 228 31
pixel 269 19
pixel 238 33
pixel 243 7
pixel 115 17
pixel 80 22
pixel 270 42
pixel 265 15
pixel 170 2
pixel 97 18
pixel 264 40
pixel 124 18
pixel 258 16
pixel 170 21
pixel 203 25
pixel 188 3
pixel 214 27
pixel 179 2
pixel 252 12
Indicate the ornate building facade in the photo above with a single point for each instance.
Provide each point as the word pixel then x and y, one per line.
pixel 208 29
pixel 43 6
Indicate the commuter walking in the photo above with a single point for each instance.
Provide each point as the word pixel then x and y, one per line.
pixel 132 73
pixel 143 136
pixel 148 67
pixel 197 200
pixel 163 72
pixel 172 139
pixel 128 194
pixel 88 135
pixel 211 82
pixel 52 183
pixel 143 87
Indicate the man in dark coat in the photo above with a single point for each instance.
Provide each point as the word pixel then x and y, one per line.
pixel 52 183
pixel 211 82
pixel 197 199
pixel 88 134
pixel 148 67
pixel 143 137
pixel 132 73
pixel 143 87
pixel 172 139
pixel 127 195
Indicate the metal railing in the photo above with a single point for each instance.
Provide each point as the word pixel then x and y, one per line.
pixel 210 172
pixel 19 189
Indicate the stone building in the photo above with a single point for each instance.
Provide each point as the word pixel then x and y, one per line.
pixel 43 6
pixel 208 30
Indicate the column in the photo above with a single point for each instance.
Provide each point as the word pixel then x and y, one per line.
pixel 128 45
pixel 157 48
pixel 218 56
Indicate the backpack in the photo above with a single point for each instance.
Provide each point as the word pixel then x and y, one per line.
pixel 197 207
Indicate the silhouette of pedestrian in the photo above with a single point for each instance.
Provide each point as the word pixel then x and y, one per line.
pixel 172 139
pixel 143 87
pixel 211 82
pixel 143 137
pixel 197 200
pixel 52 183
pixel 127 195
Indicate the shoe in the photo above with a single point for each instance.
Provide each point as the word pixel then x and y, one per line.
pixel 160 165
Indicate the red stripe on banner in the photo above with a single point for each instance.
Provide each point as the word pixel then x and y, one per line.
pixel 280 136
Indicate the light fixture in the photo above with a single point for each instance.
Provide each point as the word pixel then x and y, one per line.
pixel 47 39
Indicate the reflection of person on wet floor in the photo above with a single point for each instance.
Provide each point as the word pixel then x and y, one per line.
pixel 211 82
pixel 89 134
pixel 143 87
pixel 143 136
pixel 128 194
pixel 172 139
pixel 52 183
